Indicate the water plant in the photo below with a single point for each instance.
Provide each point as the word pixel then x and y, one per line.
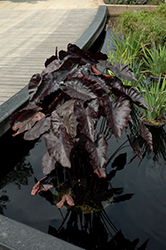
pixel 127 49
pixel 154 61
pixel 155 97
pixel 77 108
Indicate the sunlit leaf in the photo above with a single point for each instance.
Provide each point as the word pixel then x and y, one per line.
pixel 79 88
pixel 48 163
pixel 38 129
pixel 26 120
pixel 64 115
pixel 119 69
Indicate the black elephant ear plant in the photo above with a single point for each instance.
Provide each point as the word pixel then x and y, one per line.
pixel 76 107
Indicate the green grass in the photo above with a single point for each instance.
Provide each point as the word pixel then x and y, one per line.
pixel 152 25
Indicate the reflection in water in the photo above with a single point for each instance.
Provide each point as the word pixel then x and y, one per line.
pixel 18 176
pixel 159 144
pixel 87 224
pixel 93 231
pixel 122 207
pixel 3 200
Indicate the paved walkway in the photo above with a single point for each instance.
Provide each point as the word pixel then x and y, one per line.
pixel 29 32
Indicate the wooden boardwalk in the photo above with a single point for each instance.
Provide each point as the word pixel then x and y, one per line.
pixel 29 33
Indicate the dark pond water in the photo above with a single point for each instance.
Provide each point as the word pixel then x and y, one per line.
pixel 138 216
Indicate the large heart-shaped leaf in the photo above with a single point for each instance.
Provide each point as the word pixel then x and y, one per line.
pixel 79 88
pixel 64 115
pixel 86 119
pixel 38 129
pixel 136 97
pixel 26 120
pixel 119 69
pixel 47 86
pixel 56 122
pixel 97 151
pixel 48 164
pixel 117 113
pixel 59 147
pixel 146 135
pixel 86 56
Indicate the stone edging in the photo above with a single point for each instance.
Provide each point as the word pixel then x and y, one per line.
pixel 116 9
pixel 84 42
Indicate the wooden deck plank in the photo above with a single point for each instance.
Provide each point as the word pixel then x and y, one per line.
pixel 29 35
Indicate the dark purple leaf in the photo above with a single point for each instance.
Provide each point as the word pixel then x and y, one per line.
pixel 121 70
pixel 136 97
pixel 26 120
pixel 52 66
pixel 34 82
pixel 29 108
pixel 56 122
pixel 38 129
pixel 59 147
pixel 52 58
pixel 146 135
pixel 98 152
pixel 86 56
pixel 79 88
pixel 64 115
pixel 86 119
pixel 48 164
pixel 117 113
pixel 101 172
pixel 68 199
pixel 94 104
pixel 41 185
pixel 100 56
pixel 135 145
pixel 47 86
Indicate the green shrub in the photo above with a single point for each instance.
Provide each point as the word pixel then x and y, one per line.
pixel 152 25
